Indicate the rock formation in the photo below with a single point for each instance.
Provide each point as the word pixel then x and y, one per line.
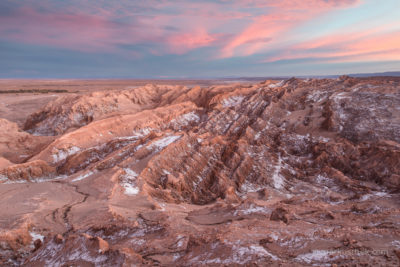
pixel 294 172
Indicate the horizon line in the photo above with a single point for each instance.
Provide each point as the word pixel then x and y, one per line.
pixel 364 74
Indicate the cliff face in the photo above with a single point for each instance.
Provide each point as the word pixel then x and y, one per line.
pixel 294 172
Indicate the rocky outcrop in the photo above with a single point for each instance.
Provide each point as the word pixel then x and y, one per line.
pixel 17 146
pixel 29 171
pixel 74 111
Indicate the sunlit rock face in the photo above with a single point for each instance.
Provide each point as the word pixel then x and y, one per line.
pixel 294 172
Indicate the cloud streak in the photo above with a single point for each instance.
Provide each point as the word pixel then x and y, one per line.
pixel 99 25
pixel 286 15
pixel 371 45
pixel 250 31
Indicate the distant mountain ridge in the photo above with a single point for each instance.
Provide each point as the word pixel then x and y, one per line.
pixel 360 75
pixel 388 73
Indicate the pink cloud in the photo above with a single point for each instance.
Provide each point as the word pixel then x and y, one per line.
pixel 314 4
pixel 184 42
pixel 164 26
pixel 360 46
pixel 100 29
pixel 256 35
pixel 287 15
pixel 296 4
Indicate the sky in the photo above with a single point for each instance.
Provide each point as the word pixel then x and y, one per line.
pixel 164 39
